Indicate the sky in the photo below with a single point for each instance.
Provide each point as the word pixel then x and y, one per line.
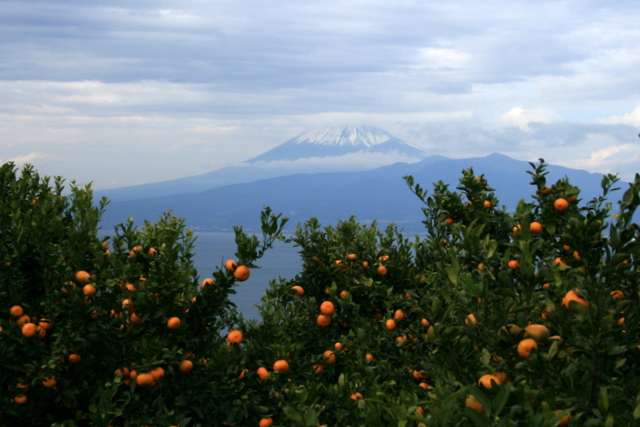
pixel 121 93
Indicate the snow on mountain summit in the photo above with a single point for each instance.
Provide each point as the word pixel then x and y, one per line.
pixel 367 136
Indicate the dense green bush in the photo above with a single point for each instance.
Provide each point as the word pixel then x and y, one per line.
pixel 417 323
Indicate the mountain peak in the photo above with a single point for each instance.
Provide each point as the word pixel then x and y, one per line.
pixel 366 136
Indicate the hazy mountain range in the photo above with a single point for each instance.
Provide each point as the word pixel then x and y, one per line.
pixel 379 193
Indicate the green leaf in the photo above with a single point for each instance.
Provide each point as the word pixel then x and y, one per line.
pixel 500 400
pixel 292 414
pixel 311 418
pixel 604 398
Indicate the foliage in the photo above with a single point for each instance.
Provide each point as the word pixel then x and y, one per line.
pixel 416 322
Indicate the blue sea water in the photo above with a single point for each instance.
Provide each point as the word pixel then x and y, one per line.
pixel 214 248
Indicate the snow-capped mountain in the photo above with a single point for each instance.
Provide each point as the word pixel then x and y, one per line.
pixel 354 148
pixel 340 141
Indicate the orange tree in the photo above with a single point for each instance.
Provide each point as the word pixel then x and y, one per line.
pixel 492 317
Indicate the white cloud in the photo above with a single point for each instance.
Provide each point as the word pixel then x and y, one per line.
pixel 632 118
pixel 521 118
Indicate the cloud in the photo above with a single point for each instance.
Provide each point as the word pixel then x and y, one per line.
pixel 632 118
pixel 521 118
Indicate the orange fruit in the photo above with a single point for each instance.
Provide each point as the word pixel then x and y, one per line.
pixel 173 323
pixel 235 337
pixel 390 324
pixel 535 227
pixel 420 375
pixel 526 346
pixel 49 382
pixel 45 324
pixel 473 403
pixel 369 357
pixel 351 257
pixel 134 251
pixel 241 376
pixel 206 282
pixel 399 315
pixel 486 204
pixel 20 400
pixel 298 290
pixel 356 396
pixel 546 190
pixel 515 231
pixel 242 273
pixel 329 357
pixel 502 376
pixel 423 386
pixel 561 204
pixel 323 320
pixel 157 373
pixel 152 251
pixel 281 366
pixel 145 380
pixel 29 330
pixel 231 265
pixel 617 294
pixel 486 380
pixel 564 420
pixel 344 294
pixel 74 358
pixel 471 320
pixel 513 264
pixel 481 267
pixel 381 271
pixel 265 422
pixel 16 311
pixel 185 366
pixel 450 221
pixel 263 374
pixel 573 296
pixel 82 277
pixel 327 308
pixel 89 290
pixel 338 346
pixel 425 323
pixel 537 332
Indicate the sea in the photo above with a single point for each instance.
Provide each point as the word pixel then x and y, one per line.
pixel 212 249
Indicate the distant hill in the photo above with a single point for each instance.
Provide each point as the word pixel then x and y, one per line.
pixel 349 148
pixel 377 194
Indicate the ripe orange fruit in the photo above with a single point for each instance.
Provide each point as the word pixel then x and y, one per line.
pixel 535 227
pixel 134 251
pixel 89 290
pixel 486 204
pixel 231 265
pixel 502 376
pixel 29 330
pixel 329 357
pixel 381 271
pixel 242 273
pixel 241 376
pixel 513 264
pixel 390 324
pixel 564 420
pixel 473 403
pixel 323 320
pixel 573 296
pixel 423 386
pixel 20 400
pixel 206 282
pixel 425 323
pixel 356 396
pixel 481 267
pixel 399 315
pixel 617 294
pixel 546 190
pixel 235 337
pixel 16 311
pixel 265 422
pixel 369 357
pixel 471 320
pixel 157 373
pixel 281 366
pixel 74 358
pixel 327 308
pixel 298 290
pixel 526 346
pixel 317 368
pixel 263 374
pixel 351 257
pixel 450 221
pixel 82 277
pixel 173 323
pixel 420 375
pixel 486 380
pixel 539 333
pixel 185 366
pixel 516 230
pixel 344 294
pixel 49 382
pixel 145 380
pixel 561 204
